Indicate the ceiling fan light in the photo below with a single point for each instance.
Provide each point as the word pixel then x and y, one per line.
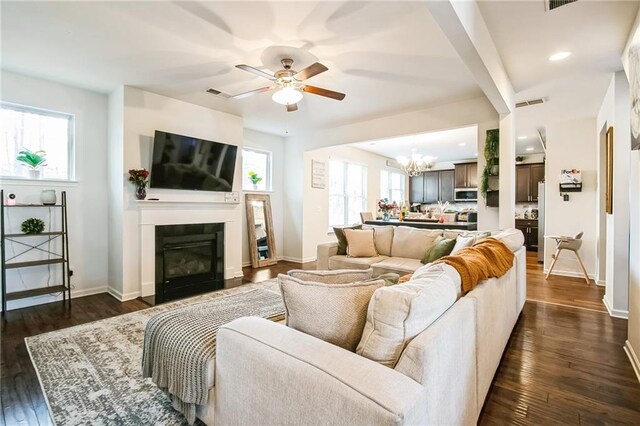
pixel 287 96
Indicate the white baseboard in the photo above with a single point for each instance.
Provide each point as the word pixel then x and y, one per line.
pixel 572 274
pixel 616 313
pixel 41 300
pixel 298 259
pixel 633 358
pixel 123 297
pixel 601 283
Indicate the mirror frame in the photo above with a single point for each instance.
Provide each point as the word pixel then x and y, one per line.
pixel 251 230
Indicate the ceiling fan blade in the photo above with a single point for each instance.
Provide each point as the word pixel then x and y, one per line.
pixel 255 71
pixel 310 71
pixel 324 92
pixel 252 92
pixel 292 107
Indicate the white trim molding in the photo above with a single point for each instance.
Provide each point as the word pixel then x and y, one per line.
pixel 572 274
pixel 123 297
pixel 50 298
pixel 616 313
pixel 633 358
pixel 298 259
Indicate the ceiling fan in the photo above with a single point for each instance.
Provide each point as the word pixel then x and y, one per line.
pixel 288 84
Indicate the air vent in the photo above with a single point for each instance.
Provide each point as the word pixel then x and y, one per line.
pixel 554 4
pixel 530 102
pixel 213 91
pixel 394 164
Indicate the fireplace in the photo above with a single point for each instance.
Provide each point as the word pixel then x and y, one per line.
pixel 189 260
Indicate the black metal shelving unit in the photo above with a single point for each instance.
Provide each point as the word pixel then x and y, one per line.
pixel 23 240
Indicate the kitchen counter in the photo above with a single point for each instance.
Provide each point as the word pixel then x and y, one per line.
pixel 426 224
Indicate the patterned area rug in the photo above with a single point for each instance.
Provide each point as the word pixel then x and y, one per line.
pixel 91 373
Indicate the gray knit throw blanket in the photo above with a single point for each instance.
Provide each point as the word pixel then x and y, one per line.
pixel 179 343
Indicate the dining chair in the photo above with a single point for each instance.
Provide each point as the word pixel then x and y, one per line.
pixel 365 216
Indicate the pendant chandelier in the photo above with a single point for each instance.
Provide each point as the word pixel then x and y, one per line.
pixel 415 165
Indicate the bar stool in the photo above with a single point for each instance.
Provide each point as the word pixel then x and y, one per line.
pixel 366 216
pixel 571 244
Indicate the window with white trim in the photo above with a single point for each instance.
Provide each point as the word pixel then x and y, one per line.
pixel 256 165
pixel 347 192
pixel 24 128
pixel 392 186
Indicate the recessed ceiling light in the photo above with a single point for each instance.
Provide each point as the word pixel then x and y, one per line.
pixel 521 137
pixel 559 56
pixel 462 144
pixel 530 148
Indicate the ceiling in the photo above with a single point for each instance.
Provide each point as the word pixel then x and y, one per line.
pixel 525 35
pixel 388 57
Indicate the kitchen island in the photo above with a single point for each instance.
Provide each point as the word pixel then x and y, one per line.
pixel 426 224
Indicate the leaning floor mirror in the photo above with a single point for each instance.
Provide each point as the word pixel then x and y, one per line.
pixel 262 245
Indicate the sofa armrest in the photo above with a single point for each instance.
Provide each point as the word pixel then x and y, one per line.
pixel 325 251
pixel 267 373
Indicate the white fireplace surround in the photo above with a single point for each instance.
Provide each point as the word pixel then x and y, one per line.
pixel 158 213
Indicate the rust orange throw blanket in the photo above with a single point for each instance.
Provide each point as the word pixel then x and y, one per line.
pixel 489 258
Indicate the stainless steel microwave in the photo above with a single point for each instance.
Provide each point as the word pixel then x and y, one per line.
pixel 466 194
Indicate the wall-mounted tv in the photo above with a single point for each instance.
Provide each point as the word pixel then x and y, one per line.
pixel 183 162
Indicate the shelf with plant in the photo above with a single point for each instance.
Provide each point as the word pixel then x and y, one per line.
pixel 492 161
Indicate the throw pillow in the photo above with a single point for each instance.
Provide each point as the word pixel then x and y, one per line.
pixel 342 240
pixel 360 243
pixel 412 243
pixel 442 248
pixel 398 313
pixel 339 276
pixel 479 235
pixel 463 242
pixel 335 313
pixel 390 278
pixel 382 237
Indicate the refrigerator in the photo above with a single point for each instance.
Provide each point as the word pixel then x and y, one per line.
pixel 541 216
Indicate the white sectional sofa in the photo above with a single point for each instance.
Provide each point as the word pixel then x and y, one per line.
pixel 267 373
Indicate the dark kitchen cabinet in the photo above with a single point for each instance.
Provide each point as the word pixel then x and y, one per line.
pixel 446 187
pixel 466 175
pixel 431 187
pixel 529 228
pixel 527 178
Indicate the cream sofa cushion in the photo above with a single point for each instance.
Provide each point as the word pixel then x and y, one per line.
pixel 463 241
pixel 400 265
pixel 382 237
pixel 340 276
pixel 345 262
pixel 413 242
pixel 398 313
pixel 360 243
pixel 335 313
pixel 512 238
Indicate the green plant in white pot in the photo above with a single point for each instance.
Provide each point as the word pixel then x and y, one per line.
pixel 255 179
pixel 33 160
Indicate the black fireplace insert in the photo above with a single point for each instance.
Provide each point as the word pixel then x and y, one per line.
pixel 189 260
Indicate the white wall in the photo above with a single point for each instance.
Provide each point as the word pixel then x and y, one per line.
pixel 316 201
pixel 145 112
pixel 87 196
pixel 274 144
pixel 578 214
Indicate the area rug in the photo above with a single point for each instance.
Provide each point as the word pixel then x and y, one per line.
pixel 91 373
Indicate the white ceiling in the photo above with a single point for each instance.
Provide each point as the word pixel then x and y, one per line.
pixel 388 57
pixel 526 35
pixel 448 145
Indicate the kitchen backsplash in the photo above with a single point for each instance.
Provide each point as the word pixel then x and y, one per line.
pixel 521 208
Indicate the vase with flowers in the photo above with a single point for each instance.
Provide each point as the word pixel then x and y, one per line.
pixel 386 207
pixel 140 178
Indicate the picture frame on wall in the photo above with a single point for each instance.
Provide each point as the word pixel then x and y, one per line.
pixel 609 171
pixel 318 174
pixel 634 92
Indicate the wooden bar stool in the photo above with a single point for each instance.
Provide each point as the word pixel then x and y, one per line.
pixel 567 243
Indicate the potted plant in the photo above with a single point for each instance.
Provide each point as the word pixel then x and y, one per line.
pixel 34 160
pixel 139 178
pixel 519 159
pixel 491 155
pixel 255 179
pixel 385 207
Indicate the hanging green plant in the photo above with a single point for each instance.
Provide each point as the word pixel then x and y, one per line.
pixel 33 226
pixel 491 156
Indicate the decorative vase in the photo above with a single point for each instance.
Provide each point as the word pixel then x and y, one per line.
pixel 141 192
pixel 48 197
pixel 34 173
pixel 255 186
pixel 385 216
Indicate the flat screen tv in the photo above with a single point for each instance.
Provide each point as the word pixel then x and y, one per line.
pixel 183 162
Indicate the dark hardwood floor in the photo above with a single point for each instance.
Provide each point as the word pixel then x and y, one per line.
pixel 564 363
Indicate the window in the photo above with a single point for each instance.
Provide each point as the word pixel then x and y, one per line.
pixel 347 192
pixel 23 127
pixel 392 186
pixel 258 164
